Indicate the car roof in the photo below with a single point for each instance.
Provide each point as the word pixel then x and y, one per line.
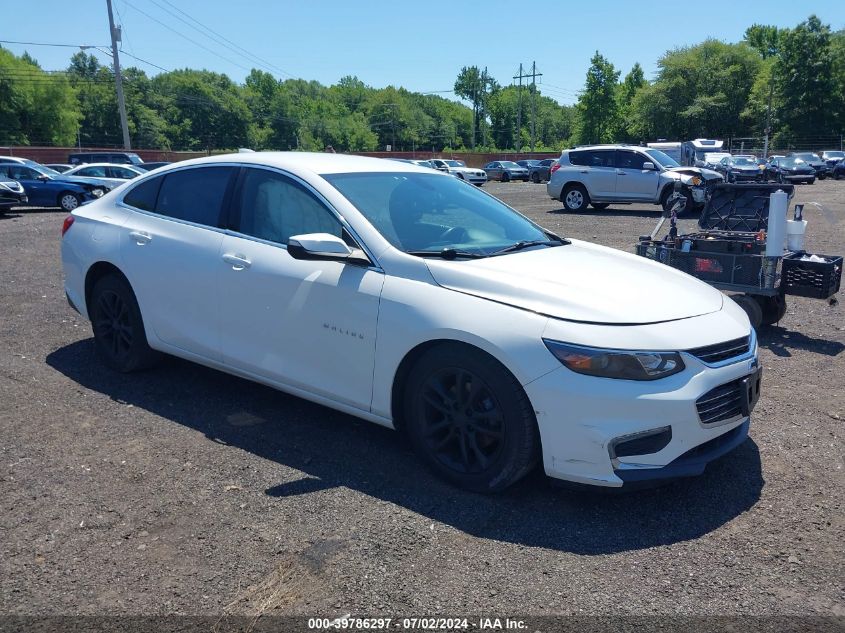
pixel 317 163
pixel 83 165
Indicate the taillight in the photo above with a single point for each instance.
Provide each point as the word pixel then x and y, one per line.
pixel 67 224
pixel 555 166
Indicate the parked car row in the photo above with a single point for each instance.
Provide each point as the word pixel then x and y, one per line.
pixel 24 182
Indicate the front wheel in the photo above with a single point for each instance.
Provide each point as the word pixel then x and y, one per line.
pixel 506 177
pixel 575 198
pixel 469 419
pixel 69 201
pixel 535 178
pixel 119 335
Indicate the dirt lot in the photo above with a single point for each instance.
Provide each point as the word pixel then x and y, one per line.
pixel 184 490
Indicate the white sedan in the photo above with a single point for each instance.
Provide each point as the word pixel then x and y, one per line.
pixel 106 174
pixel 416 301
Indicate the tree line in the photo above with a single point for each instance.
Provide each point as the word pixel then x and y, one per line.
pixel 790 80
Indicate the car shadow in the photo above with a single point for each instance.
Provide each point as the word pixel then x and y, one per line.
pixel 780 341
pixel 335 449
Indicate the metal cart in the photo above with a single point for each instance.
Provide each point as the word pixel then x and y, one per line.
pixel 728 252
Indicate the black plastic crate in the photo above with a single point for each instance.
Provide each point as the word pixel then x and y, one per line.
pixel 743 207
pixel 818 280
pixel 734 269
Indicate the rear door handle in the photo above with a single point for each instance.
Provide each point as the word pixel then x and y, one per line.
pixel 238 261
pixel 584 171
pixel 140 237
pixel 619 172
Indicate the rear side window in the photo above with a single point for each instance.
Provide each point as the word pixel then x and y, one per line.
pixel 194 195
pixel 592 158
pixel 144 195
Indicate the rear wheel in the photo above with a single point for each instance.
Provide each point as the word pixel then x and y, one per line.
pixel 773 308
pixel 535 178
pixel 752 308
pixel 469 419
pixel 575 198
pixel 119 334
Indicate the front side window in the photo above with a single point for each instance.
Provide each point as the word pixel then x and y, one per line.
pixel 629 160
pixel 120 172
pixel 194 195
pixel 274 208
pixel 422 212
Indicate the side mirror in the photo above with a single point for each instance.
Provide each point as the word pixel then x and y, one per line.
pixel 323 246
pixel 648 165
pixel 43 177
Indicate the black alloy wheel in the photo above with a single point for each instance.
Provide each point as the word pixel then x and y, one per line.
pixel 118 327
pixel 506 176
pixel 469 418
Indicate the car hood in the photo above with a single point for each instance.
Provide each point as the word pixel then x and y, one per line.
pixel 706 174
pixel 581 282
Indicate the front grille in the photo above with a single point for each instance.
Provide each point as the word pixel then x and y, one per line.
pixel 722 351
pixel 722 403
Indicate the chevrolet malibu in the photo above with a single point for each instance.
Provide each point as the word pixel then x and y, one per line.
pixel 419 302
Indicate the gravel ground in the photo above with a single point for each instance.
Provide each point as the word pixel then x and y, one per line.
pixel 183 490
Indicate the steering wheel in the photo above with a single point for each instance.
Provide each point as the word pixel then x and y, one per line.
pixel 456 234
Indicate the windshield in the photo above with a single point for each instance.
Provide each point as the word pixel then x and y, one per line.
pixel 806 156
pixel 662 158
pixel 455 163
pixel 509 163
pixel 745 162
pixel 791 162
pixel 835 154
pixel 429 212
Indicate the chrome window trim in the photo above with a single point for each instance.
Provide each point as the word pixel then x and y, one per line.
pixel 320 198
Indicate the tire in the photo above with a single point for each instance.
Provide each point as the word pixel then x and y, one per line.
pixel 469 419
pixel 600 205
pixel 68 201
pixel 506 177
pixel 773 308
pixel 752 308
pixel 119 335
pixel 664 201
pixel 575 198
pixel 535 178
pixel 822 176
pixel 836 175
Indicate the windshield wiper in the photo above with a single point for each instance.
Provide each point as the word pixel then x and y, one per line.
pixel 447 253
pixel 518 246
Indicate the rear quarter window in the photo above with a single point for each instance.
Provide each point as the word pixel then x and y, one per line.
pixel 144 195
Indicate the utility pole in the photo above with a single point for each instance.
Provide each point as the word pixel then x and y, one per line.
pixel 118 80
pixel 534 74
pixel 519 109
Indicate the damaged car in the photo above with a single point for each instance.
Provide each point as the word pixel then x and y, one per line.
pixel 601 175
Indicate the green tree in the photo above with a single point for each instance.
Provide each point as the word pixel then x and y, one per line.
pixel 476 86
pixel 597 107
pixel 625 93
pixel 808 101
pixel 36 108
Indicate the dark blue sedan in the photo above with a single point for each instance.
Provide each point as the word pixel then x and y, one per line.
pixel 47 188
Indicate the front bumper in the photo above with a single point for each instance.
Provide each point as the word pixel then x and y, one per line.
pixel 582 419
pixel 800 177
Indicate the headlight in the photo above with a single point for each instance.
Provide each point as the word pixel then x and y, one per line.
pixel 97 193
pixel 621 364
pixel 695 181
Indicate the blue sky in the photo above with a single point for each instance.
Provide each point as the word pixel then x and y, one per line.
pixel 419 45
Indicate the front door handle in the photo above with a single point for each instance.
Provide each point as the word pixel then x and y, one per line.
pixel 238 261
pixel 619 172
pixel 140 237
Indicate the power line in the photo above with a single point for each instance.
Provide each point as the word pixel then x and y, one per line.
pixel 83 46
pixel 240 49
pixel 185 37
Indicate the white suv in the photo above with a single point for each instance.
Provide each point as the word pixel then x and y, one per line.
pixel 603 174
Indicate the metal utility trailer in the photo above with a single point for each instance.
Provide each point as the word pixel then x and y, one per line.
pixel 729 253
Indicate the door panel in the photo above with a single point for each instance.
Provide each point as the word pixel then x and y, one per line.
pixel 310 324
pixel 634 182
pixel 172 268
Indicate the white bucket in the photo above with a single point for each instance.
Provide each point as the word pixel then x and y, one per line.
pixel 795 234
